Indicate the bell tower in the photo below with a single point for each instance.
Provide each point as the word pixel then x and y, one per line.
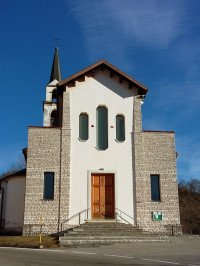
pixel 50 105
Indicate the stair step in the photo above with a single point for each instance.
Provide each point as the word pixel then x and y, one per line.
pixel 102 221
pixel 103 237
pixel 101 232
pixel 106 235
pixel 110 227
pixel 106 241
pixel 107 229
pixel 76 230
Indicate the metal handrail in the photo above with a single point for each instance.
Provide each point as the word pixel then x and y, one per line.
pixel 78 214
pixel 120 215
pixel 74 216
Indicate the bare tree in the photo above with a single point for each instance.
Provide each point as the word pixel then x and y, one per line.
pixel 194 185
pixel 15 166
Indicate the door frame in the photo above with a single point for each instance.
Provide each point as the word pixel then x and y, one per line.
pixel 89 174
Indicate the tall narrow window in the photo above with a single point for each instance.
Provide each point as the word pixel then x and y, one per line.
pixel 53 118
pixel 102 128
pixel 120 128
pixel 83 126
pixel 48 185
pixel 155 187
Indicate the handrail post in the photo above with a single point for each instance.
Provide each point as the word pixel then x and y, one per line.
pixel 119 213
pixel 75 215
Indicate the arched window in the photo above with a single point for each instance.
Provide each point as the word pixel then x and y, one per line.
pixel 102 128
pixel 53 120
pixel 120 128
pixel 83 126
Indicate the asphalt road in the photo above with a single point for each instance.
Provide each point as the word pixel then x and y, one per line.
pixel 178 251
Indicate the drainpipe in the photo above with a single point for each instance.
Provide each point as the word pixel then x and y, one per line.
pixel 1 211
pixel 60 174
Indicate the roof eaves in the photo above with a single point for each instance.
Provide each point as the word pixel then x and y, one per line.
pixel 108 65
pixel 15 174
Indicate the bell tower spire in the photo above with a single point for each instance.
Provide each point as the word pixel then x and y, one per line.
pixel 55 70
pixel 50 105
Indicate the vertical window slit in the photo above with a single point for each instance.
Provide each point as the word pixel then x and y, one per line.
pixel 120 128
pixel 102 128
pixel 83 126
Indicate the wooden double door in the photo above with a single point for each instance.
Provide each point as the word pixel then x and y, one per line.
pixel 102 196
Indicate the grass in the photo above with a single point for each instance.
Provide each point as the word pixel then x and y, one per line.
pixel 28 241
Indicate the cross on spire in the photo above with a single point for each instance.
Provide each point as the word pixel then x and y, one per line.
pixel 57 40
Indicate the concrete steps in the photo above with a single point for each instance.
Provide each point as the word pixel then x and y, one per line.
pixel 103 232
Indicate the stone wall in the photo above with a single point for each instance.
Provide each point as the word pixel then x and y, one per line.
pixel 43 156
pixel 48 151
pixel 154 153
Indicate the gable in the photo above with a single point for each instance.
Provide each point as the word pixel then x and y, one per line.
pixel 113 72
pixel 100 87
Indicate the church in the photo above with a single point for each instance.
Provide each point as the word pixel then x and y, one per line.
pixel 91 159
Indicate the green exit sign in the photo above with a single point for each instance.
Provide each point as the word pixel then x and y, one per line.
pixel 157 216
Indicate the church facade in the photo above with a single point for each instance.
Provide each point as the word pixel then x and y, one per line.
pixel 92 160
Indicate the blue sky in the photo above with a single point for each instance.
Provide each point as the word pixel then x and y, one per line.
pixel 157 42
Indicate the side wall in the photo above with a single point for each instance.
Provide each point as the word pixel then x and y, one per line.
pixel 3 201
pixel 155 154
pixel 44 155
pixel 14 210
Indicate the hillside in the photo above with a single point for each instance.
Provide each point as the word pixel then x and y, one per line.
pixel 189 200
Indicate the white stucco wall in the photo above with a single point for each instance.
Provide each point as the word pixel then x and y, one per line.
pixel 85 157
pixel 14 210
pixel 49 90
pixel 48 109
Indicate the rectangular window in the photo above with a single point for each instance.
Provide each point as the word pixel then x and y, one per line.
pixel 155 187
pixel 49 185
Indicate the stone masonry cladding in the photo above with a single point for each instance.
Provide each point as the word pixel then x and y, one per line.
pixel 155 154
pixel 48 151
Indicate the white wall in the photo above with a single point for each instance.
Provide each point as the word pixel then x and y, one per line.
pixel 14 211
pixel 85 157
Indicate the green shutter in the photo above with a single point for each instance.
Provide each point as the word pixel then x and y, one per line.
pixel 83 126
pixel 120 128
pixel 102 128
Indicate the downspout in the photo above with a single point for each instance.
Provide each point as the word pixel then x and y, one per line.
pixel 2 196
pixel 60 174
pixel 133 167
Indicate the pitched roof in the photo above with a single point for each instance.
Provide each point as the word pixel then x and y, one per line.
pixel 114 71
pixel 15 174
pixel 55 70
